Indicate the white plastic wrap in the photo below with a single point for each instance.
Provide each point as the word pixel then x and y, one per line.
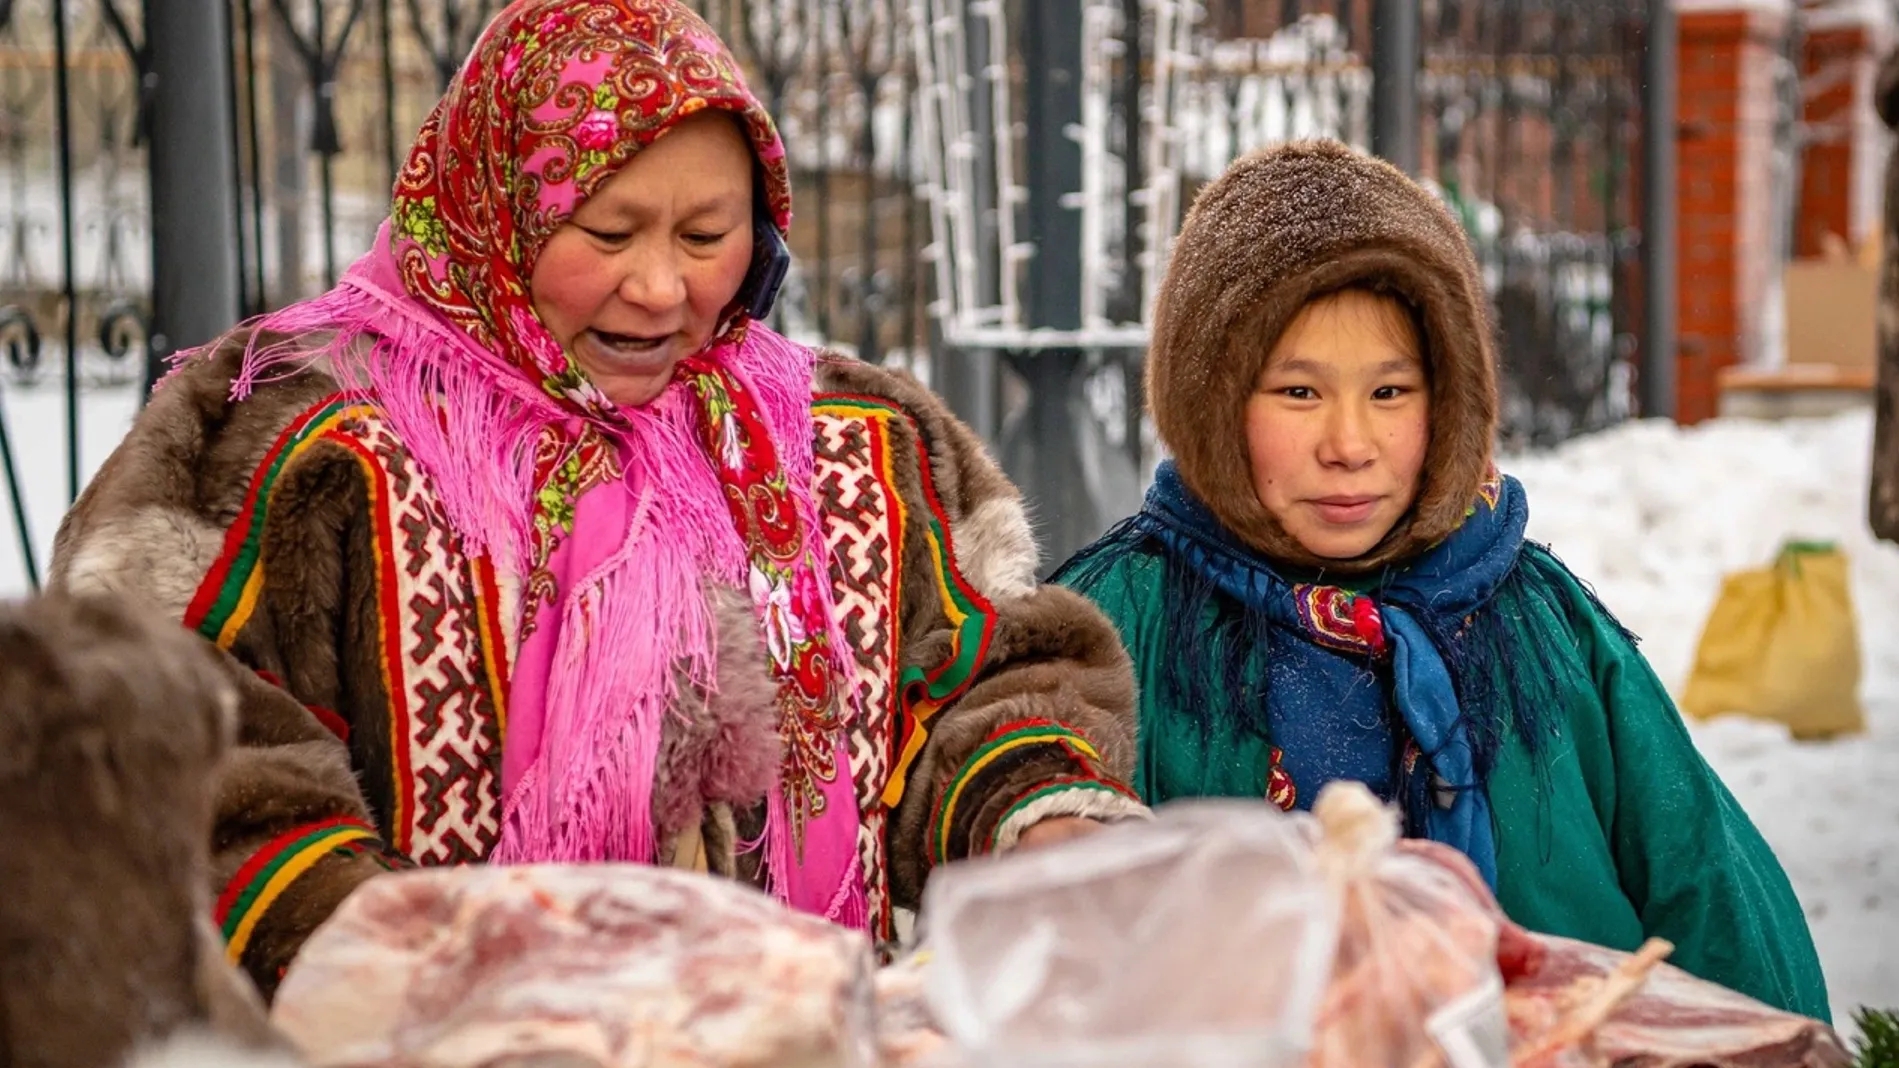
pixel 1414 978
pixel 1233 934
pixel 1203 938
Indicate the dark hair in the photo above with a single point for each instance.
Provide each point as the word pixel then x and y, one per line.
pixel 1390 296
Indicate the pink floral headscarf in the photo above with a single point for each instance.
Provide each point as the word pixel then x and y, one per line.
pixel 557 96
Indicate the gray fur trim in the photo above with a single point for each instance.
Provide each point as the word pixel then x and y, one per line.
pixel 720 745
pixel 158 555
pixel 995 548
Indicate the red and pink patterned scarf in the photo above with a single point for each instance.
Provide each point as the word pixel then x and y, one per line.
pixel 615 521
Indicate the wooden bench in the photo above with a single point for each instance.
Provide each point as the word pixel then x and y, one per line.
pixel 1794 391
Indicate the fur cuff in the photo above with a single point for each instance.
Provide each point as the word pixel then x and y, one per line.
pixel 1019 765
pixel 1097 801
pixel 288 887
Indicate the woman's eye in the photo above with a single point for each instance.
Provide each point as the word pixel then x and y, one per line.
pixel 1298 393
pixel 609 236
pixel 1384 393
pixel 703 240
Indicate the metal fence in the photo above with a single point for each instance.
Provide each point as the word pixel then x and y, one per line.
pixel 72 197
pixel 74 230
pixel 331 90
pixel 1529 124
pixel 1538 114
pixel 1528 118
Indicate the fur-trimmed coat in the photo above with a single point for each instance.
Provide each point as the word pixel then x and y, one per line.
pixel 295 531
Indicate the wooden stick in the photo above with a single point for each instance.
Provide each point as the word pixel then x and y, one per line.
pixel 1596 1009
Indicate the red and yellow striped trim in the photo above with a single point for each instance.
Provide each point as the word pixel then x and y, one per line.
pixel 1005 739
pixel 494 648
pixel 228 594
pixel 271 870
pixel 389 613
pixel 971 617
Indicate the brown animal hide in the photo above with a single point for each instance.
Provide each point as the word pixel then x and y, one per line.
pixel 111 726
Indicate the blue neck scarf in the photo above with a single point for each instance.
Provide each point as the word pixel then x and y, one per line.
pixel 1425 624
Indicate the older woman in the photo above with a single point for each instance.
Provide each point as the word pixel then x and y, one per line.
pixel 528 542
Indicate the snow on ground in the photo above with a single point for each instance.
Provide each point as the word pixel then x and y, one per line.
pixel 1653 516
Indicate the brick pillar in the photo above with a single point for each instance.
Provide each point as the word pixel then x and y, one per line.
pixel 1724 187
pixel 1840 166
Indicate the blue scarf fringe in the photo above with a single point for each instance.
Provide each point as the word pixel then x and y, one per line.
pixel 1502 672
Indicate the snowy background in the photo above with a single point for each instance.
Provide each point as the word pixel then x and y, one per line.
pixel 1650 514
pixel 1653 516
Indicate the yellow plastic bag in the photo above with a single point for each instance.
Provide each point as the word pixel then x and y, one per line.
pixel 1782 644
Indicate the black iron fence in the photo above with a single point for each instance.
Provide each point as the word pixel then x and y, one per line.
pixel 1533 128
pixel 1529 116
pixel 1529 123
pixel 331 90
pixel 72 214
pixel 74 236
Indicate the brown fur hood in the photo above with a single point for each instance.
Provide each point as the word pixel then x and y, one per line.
pixel 1280 227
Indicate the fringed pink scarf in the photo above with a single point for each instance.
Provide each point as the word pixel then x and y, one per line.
pixel 615 521
pixel 598 674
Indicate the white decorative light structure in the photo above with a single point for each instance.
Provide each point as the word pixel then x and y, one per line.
pixel 1202 103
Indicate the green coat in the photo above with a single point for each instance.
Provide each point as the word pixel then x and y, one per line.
pixel 1624 833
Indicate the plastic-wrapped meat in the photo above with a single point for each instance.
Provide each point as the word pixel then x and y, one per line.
pixel 1415 976
pixel 1665 1019
pixel 1672 1020
pixel 591 966
pixel 1200 940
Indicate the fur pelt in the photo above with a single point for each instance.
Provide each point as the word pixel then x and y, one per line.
pixel 112 723
pixel 1282 226
pixel 720 745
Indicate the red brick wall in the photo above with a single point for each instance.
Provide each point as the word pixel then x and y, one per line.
pixel 1723 191
pixel 1837 66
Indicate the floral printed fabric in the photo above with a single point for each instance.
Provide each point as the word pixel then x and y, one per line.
pixel 557 96
pixel 785 586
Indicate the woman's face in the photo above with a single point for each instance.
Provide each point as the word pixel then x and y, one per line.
pixel 1340 422
pixel 638 277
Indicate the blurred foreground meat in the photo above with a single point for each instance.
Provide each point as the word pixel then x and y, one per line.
pixel 578 967
pixel 1218 935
